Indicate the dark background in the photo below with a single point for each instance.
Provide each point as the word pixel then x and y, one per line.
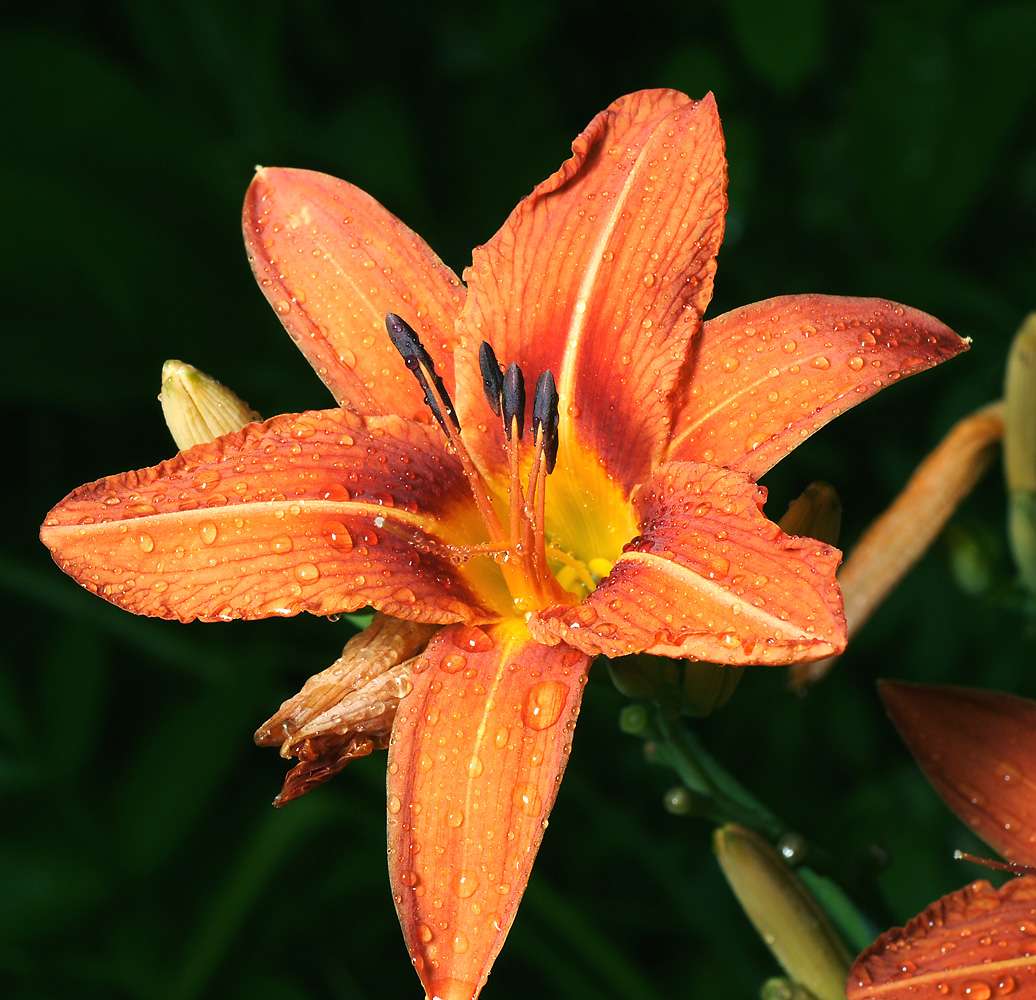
pixel 889 151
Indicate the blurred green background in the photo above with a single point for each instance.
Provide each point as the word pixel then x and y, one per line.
pixel 881 149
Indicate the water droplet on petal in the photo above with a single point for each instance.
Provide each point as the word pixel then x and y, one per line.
pixel 454 818
pixel 394 805
pixel 543 704
pixel 471 639
pixel 975 989
pixel 337 535
pixel 306 573
pixel 208 532
pixel 527 798
pixel 475 766
pixel 280 543
pixel 464 883
pixel 454 663
pixel 146 543
pixel 855 363
pixel 820 363
pixel 424 933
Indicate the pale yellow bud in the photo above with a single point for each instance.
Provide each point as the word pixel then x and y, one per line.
pixel 197 408
pixel 787 917
pixel 1020 450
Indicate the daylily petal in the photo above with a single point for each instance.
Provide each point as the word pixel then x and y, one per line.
pixel 601 275
pixel 478 749
pixel 708 577
pixel 324 511
pixel 976 942
pixel 764 377
pixel 978 749
pixel 333 262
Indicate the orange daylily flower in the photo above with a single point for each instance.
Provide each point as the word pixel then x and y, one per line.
pixel 628 521
pixel 978 749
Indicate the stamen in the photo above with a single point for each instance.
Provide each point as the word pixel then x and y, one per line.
pixel 419 361
pixel 492 377
pixel 513 400
pixel 545 417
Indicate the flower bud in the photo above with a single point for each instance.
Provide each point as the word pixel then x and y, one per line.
pixel 787 917
pixel 1020 450
pixel 815 513
pixel 197 408
pixel 645 677
pixel 708 686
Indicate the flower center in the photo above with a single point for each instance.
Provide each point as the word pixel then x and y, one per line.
pixel 517 540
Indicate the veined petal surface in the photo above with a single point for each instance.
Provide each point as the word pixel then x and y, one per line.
pixel 976 944
pixel 601 275
pixel 333 262
pixel 764 377
pixel 323 511
pixel 978 749
pixel 708 577
pixel 477 753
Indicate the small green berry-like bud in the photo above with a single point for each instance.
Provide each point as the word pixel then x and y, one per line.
pixel 633 719
pixel 197 408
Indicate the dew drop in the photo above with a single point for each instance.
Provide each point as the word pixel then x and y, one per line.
pixel 543 704
pixel 729 364
pixel 820 363
pixel 208 532
pixel 459 943
pixel 283 307
pixel 306 573
pixel 394 805
pixel 649 280
pixel 527 798
pixel 281 543
pixel 471 639
pixel 337 535
pixel 424 932
pixel 475 766
pixel 976 989
pixel 146 543
pixel 464 883
pixel 788 346
pixel 454 663
pixel 855 363
pixel 454 818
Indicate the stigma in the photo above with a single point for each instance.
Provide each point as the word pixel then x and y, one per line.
pixel 515 527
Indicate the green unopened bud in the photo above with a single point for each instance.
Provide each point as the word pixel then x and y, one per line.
pixel 707 686
pixel 646 677
pixel 816 513
pixel 787 917
pixel 197 408
pixel 1020 450
pixel 971 551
